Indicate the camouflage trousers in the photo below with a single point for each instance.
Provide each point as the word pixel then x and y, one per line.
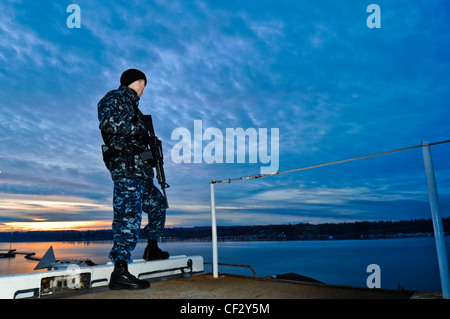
pixel 133 196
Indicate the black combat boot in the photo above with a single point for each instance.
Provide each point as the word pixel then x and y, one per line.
pixel 153 252
pixel 122 279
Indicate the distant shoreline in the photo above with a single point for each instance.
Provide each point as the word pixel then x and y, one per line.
pixel 289 232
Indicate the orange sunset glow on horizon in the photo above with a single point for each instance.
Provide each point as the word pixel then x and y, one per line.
pixel 56 225
pixel 30 212
pixel 51 212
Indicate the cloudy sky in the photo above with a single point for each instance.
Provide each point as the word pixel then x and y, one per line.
pixel 333 87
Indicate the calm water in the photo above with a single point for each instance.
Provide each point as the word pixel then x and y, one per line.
pixel 412 262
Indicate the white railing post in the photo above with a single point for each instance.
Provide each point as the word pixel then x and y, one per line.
pixel 215 263
pixel 437 221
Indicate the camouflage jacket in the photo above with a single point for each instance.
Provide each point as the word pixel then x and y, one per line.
pixel 121 125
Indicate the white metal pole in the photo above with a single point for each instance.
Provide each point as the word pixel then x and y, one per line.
pixel 437 221
pixel 215 263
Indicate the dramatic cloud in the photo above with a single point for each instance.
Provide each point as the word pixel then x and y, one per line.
pixel 333 87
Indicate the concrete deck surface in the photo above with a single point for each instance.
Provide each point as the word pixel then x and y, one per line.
pixel 204 286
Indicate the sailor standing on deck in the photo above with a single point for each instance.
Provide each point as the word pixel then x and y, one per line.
pixel 123 132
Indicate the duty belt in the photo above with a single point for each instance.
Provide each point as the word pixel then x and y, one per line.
pixel 127 154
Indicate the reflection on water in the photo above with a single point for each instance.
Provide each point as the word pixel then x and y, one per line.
pixel 410 262
pixel 78 250
pixel 96 251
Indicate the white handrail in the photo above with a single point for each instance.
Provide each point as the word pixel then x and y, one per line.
pixel 437 221
pixel 434 203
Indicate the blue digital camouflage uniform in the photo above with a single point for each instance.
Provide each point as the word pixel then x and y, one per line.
pixel 134 191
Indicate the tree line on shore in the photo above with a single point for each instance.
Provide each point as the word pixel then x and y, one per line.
pixel 301 231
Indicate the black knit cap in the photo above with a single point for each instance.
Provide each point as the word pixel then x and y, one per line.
pixel 131 75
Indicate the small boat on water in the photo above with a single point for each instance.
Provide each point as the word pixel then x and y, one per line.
pixel 9 254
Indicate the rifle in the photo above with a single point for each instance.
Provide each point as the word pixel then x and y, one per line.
pixel 155 155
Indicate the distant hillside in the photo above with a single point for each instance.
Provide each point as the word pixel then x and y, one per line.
pixel 302 231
